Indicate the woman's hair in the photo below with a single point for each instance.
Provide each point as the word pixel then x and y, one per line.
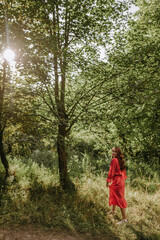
pixel 120 158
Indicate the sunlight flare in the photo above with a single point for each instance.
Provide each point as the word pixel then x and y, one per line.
pixel 9 55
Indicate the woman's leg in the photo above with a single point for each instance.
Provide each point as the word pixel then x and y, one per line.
pixel 123 212
pixel 114 208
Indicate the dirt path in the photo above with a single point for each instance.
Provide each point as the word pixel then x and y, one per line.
pixel 33 233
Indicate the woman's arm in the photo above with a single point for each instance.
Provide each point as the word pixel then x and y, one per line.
pixel 111 171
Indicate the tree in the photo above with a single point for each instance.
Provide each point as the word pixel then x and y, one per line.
pixel 8 40
pixel 3 86
pixel 61 37
pixel 136 89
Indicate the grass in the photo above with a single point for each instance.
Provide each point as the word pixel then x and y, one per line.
pixel 33 196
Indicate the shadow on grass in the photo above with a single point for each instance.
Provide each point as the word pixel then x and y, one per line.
pixel 141 235
pixel 68 211
pixel 54 208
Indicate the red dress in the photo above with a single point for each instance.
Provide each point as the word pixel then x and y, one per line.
pixel 117 188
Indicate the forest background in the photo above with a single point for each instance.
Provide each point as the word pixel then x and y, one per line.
pixel 63 107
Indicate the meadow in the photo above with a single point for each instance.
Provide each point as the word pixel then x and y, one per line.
pixel 32 196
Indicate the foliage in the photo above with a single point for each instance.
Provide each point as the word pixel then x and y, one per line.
pixel 53 34
pixel 131 104
pixel 86 150
pixel 63 95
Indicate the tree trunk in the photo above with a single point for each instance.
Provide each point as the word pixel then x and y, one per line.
pixel 3 156
pixel 2 124
pixel 62 155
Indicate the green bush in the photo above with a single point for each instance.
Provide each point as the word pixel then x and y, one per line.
pixel 86 150
pixel 47 158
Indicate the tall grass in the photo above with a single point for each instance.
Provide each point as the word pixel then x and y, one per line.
pixel 33 196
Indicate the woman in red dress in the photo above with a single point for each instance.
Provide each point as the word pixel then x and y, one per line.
pixel 117 175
